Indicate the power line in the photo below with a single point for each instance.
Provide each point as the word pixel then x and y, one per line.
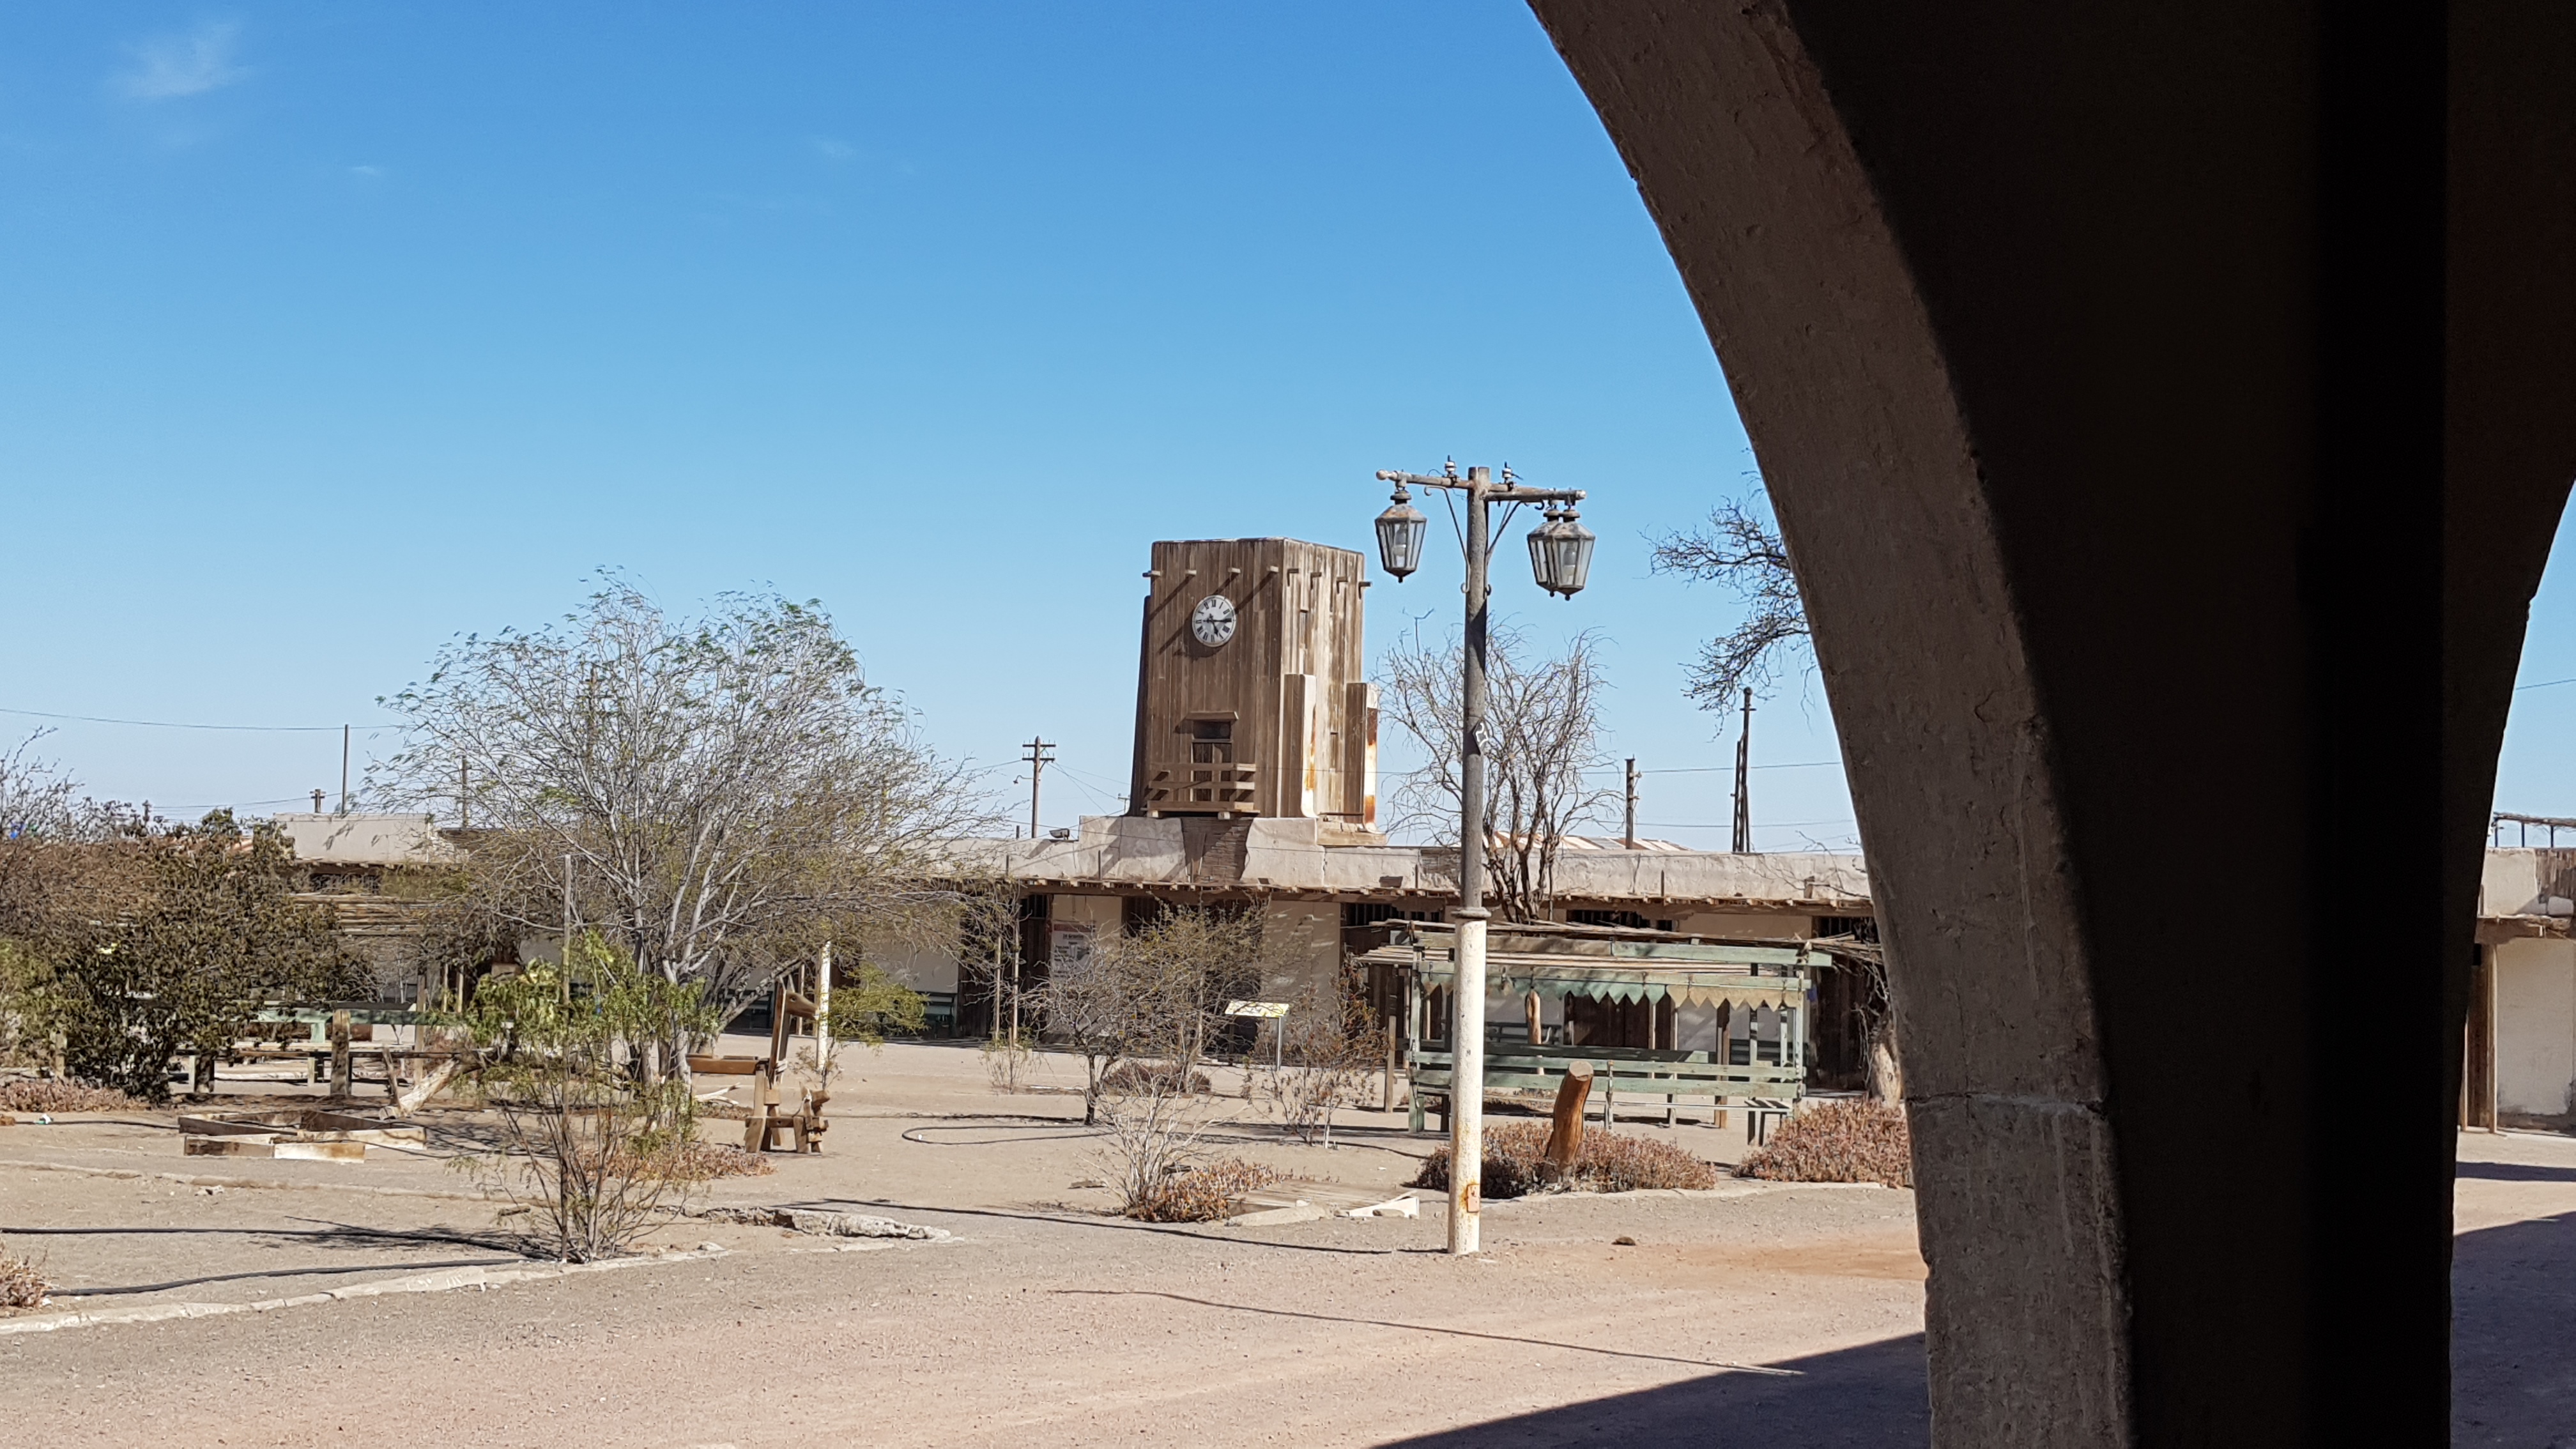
pixel 1729 769
pixel 174 810
pixel 2544 684
pixel 163 724
pixel 1758 825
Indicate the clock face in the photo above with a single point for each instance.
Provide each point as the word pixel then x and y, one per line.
pixel 1212 622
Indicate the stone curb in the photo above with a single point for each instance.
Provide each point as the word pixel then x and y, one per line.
pixel 440 1280
pixel 186 1179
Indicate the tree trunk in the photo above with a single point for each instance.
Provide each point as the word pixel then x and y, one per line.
pixel 1886 1072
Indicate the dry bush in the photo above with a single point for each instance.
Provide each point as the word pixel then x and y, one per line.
pixel 33 1094
pixel 1611 1163
pixel 1838 1142
pixel 1516 1163
pixel 1152 1078
pixel 1201 1194
pixel 695 1161
pixel 21 1286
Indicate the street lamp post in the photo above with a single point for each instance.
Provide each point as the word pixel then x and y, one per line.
pixel 1560 558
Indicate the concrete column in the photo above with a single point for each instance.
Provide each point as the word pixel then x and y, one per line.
pixel 2169 448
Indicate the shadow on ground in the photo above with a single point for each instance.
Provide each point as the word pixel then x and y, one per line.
pixel 2516 1172
pixel 2513 1359
pixel 1856 1398
pixel 2513 1374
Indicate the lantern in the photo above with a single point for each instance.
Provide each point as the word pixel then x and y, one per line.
pixel 1399 535
pixel 1561 553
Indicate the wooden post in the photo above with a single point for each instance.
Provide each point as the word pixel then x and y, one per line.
pixel 1537 1019
pixel 1565 1134
pixel 778 1024
pixel 2477 1054
pixel 762 1129
pixel 341 1084
pixel 1389 1104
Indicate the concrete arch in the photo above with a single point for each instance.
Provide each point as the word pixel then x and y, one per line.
pixel 2169 410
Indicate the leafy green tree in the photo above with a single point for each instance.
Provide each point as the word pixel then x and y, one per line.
pixel 189 935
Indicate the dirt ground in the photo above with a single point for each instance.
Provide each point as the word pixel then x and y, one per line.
pixel 1753 1314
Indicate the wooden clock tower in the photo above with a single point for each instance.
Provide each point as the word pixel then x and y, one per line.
pixel 1250 699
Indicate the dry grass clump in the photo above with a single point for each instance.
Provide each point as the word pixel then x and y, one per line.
pixel 1156 1079
pixel 39 1094
pixel 21 1286
pixel 1838 1142
pixel 1516 1163
pixel 1201 1194
pixel 695 1161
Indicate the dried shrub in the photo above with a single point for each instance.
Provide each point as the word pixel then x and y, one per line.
pixel 695 1161
pixel 1611 1163
pixel 34 1094
pixel 1838 1142
pixel 1201 1194
pixel 1514 1157
pixel 21 1286
pixel 1516 1163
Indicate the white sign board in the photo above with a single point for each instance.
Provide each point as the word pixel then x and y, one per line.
pixel 1265 1010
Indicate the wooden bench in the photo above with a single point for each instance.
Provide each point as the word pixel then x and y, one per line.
pixel 1763 1091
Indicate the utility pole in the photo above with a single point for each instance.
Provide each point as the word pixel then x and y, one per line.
pixel 823 1043
pixel 344 769
pixel 566 974
pixel 317 802
pixel 1560 557
pixel 1744 780
pixel 1039 755
pixel 1628 838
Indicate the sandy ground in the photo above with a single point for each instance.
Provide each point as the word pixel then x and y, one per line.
pixel 1755 1314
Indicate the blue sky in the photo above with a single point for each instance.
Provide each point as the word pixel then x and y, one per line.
pixel 330 332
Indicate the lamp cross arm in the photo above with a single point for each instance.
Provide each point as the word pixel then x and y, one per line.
pixel 1499 493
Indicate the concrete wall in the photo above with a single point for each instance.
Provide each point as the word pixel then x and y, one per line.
pixel 365 839
pixel 2517 882
pixel 923 968
pixel 2535 1010
pixel 1303 943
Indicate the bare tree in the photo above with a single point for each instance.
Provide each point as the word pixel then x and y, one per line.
pixel 1741 548
pixel 1143 1010
pixel 1172 979
pixel 40 802
pixel 710 794
pixel 1331 1045
pixel 1866 959
pixel 36 797
pixel 1542 738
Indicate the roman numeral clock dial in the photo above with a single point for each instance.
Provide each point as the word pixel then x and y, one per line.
pixel 1212 622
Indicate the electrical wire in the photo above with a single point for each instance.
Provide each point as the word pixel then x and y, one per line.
pixel 163 724
pixel 1718 769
